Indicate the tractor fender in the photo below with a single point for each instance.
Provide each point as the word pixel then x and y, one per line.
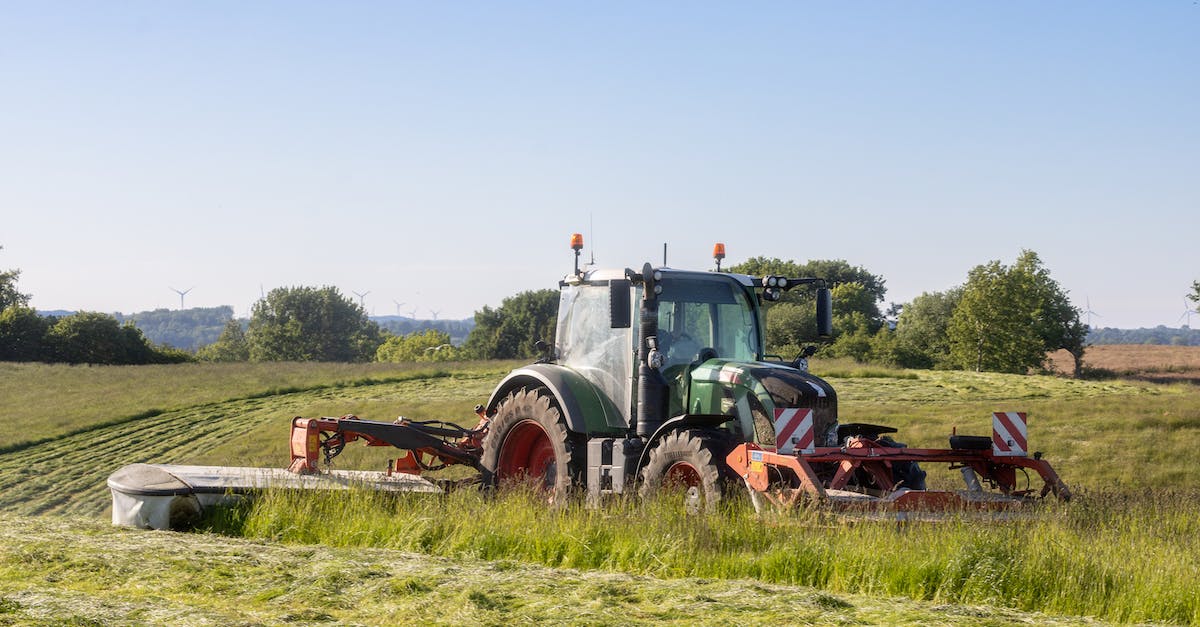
pixel 679 423
pixel 584 408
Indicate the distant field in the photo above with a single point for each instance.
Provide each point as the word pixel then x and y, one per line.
pixel 1163 364
pixel 1124 446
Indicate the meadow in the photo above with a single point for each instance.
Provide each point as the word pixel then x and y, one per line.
pixel 1122 551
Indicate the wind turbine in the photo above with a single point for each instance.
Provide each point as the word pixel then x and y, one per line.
pixel 1187 313
pixel 1090 313
pixel 398 305
pixel 182 293
pixel 412 313
pixel 435 313
pixel 361 296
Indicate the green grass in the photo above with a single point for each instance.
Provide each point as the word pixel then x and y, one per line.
pixel 40 401
pixel 55 572
pixel 67 474
pixel 1117 552
pixel 1072 559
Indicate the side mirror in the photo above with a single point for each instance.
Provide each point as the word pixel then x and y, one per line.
pixel 618 303
pixel 824 312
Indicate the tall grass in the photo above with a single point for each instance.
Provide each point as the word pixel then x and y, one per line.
pixel 1122 557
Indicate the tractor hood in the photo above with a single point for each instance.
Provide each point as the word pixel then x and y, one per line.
pixel 755 390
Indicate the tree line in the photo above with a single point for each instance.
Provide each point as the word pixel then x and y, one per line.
pixel 1003 318
pixel 321 324
pixel 1160 335
pixel 188 329
pixel 83 337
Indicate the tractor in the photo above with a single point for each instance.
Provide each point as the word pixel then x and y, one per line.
pixel 658 381
pixel 656 376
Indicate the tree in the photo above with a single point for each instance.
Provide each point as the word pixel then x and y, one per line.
pixel 1195 295
pixel 9 296
pixel 310 324
pixel 835 271
pixel 789 326
pixel 182 328
pixel 96 338
pixel 510 330
pixel 22 335
pixel 427 345
pixel 1009 317
pixel 791 322
pixel 921 328
pixel 231 345
pixel 1056 320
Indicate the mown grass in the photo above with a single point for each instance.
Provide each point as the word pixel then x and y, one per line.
pixel 40 401
pixel 1062 559
pixel 67 474
pixel 1098 436
pixel 59 572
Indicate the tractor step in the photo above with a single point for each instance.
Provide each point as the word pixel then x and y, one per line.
pixel 169 496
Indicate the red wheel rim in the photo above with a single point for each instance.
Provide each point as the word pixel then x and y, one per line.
pixel 682 477
pixel 527 453
pixel 681 474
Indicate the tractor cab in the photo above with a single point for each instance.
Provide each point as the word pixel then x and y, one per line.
pixel 700 316
pixel 664 345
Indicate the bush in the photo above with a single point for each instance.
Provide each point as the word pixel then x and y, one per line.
pixel 427 345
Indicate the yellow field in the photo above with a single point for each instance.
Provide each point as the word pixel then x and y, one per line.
pixel 1163 364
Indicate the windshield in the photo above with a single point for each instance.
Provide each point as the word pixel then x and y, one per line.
pixel 695 313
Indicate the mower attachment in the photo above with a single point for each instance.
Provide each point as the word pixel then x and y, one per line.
pixel 866 471
pixel 429 445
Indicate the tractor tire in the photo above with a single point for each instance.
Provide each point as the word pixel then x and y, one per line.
pixel 685 463
pixel 528 445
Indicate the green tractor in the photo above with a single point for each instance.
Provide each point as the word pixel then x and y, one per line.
pixel 658 380
pixel 655 377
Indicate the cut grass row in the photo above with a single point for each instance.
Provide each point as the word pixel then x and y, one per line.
pixel 58 572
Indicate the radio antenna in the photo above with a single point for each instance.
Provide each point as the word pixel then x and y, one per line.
pixel 592 239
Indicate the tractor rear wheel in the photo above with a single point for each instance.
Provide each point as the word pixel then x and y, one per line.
pixel 684 464
pixel 528 444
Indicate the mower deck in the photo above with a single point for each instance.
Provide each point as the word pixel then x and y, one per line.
pixel 169 496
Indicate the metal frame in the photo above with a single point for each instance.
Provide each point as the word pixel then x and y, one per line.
pixel 758 467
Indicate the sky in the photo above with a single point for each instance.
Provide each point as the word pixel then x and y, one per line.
pixel 438 156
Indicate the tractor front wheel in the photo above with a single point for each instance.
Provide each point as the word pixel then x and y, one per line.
pixel 528 444
pixel 684 464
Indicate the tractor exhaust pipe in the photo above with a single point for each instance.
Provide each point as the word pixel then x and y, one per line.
pixel 652 387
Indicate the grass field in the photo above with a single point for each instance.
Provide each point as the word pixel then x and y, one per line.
pixel 54 572
pixel 1110 439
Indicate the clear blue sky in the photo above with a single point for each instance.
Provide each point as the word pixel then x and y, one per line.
pixel 440 154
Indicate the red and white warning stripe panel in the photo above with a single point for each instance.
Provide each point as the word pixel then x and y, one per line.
pixel 794 430
pixel 1009 433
